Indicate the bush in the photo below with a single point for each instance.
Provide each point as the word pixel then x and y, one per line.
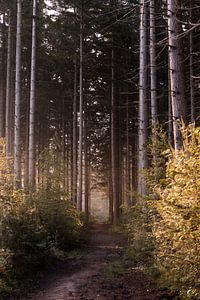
pixel 164 228
pixel 59 218
pixel 24 237
pixel 177 231
pixel 138 231
pixel 156 150
pixel 31 227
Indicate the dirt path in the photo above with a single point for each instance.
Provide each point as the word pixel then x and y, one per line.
pixel 87 280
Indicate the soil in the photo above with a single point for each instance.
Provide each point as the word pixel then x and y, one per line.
pixel 86 278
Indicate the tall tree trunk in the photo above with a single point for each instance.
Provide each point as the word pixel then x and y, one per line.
pixel 192 104
pixel 110 196
pixel 74 192
pixel 8 91
pixel 86 160
pixel 124 180
pixel 176 70
pixel 63 183
pixel 17 125
pixel 170 120
pixel 142 155
pixel 153 66
pixel 153 82
pixel 127 180
pixel 32 102
pixel 114 157
pixel 3 79
pixel 80 153
pixel 12 93
pixel 132 178
pixel 26 152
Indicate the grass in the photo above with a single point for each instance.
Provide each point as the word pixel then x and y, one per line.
pixel 114 269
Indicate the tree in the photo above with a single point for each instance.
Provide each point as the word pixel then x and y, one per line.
pixel 142 155
pixel 8 90
pixel 3 74
pixel 114 167
pixel 80 153
pixel 192 101
pixel 74 192
pixel 32 102
pixel 153 65
pixel 176 69
pixel 17 124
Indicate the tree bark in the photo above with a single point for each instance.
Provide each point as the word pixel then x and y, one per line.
pixel 115 191
pixel 8 91
pixel 3 78
pixel 127 181
pixel 192 104
pixel 86 160
pixel 110 197
pixel 142 155
pixel 74 196
pixel 176 71
pixel 17 126
pixel 32 102
pixel 153 74
pixel 170 120
pixel 80 152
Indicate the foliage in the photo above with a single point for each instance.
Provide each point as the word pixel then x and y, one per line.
pixel 157 148
pixel 177 230
pixel 5 171
pixel 33 227
pixel 52 168
pixel 163 228
pixel 114 269
pixel 138 230
pixel 59 217
pixel 25 238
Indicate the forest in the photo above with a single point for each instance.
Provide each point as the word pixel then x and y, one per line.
pixel 100 148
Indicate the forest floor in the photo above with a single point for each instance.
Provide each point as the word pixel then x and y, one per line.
pixel 97 274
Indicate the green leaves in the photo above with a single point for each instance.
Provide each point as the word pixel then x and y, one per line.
pixel 34 229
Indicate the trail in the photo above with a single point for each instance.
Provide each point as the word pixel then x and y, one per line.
pixel 86 280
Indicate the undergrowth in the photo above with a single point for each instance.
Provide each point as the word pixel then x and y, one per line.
pixel 164 228
pixel 33 228
pixel 114 269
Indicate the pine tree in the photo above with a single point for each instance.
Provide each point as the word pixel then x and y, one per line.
pixel 32 171
pixel 17 125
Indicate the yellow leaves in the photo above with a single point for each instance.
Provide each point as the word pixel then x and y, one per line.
pixel 177 230
pixel 2 155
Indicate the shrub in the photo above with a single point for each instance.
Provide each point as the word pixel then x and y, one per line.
pixel 164 228
pixel 114 269
pixel 138 231
pixel 59 217
pixel 24 237
pixel 177 231
pixel 156 150
pixel 33 227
